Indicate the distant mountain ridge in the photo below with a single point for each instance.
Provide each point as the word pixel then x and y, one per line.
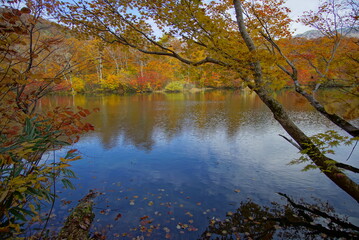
pixel 354 32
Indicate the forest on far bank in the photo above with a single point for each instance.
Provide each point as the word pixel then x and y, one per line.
pixel 104 46
pixel 85 64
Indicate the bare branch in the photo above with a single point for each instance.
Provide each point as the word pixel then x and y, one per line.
pixel 292 142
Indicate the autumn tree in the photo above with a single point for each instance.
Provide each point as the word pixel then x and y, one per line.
pixel 26 75
pixel 247 45
pixel 337 14
pixel 335 21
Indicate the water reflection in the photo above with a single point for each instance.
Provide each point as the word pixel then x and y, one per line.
pixel 186 154
pixel 139 118
pixel 341 102
pixel 295 220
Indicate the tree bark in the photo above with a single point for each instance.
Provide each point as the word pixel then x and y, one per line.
pixel 334 118
pixel 324 163
pixel 78 224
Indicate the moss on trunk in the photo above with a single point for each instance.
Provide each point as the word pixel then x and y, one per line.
pixel 78 224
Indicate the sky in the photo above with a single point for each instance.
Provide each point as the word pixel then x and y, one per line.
pixel 298 7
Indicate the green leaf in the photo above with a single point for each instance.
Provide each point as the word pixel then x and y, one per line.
pixel 17 214
pixel 68 173
pixel 25 211
pixel 67 183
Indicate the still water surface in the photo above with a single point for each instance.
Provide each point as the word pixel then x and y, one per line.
pixel 186 158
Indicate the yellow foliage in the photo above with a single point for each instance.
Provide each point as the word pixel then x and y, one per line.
pixel 112 82
pixel 77 84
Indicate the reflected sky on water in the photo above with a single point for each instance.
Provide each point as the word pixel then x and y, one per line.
pixel 185 158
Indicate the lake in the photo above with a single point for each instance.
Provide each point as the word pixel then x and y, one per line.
pixel 182 159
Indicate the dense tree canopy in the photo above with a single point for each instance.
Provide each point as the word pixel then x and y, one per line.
pixel 207 43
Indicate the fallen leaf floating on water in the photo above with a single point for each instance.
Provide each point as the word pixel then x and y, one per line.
pixel 64 202
pixel 146 222
pixel 192 229
pixel 150 203
pixel 118 216
pixel 237 190
pixel 189 214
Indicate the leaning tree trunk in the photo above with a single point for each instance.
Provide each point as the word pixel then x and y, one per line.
pixel 334 118
pixel 324 163
pixel 279 113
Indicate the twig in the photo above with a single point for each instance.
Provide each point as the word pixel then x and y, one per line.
pixel 347 167
pixel 53 201
pixel 352 150
pixel 319 213
pixel 291 142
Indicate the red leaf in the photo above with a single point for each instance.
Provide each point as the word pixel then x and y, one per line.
pixel 82 114
pixel 77 139
pixel 145 217
pixel 118 216
pixel 72 151
pixel 69 113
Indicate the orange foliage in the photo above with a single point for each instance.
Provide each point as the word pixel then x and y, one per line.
pixel 149 81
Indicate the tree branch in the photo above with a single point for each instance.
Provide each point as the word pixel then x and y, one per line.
pixel 291 142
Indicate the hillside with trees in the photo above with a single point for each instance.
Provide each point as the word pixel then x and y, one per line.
pixel 108 46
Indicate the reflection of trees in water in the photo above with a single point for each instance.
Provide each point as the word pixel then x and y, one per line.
pixel 340 102
pixel 295 220
pixel 139 117
pixel 169 114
